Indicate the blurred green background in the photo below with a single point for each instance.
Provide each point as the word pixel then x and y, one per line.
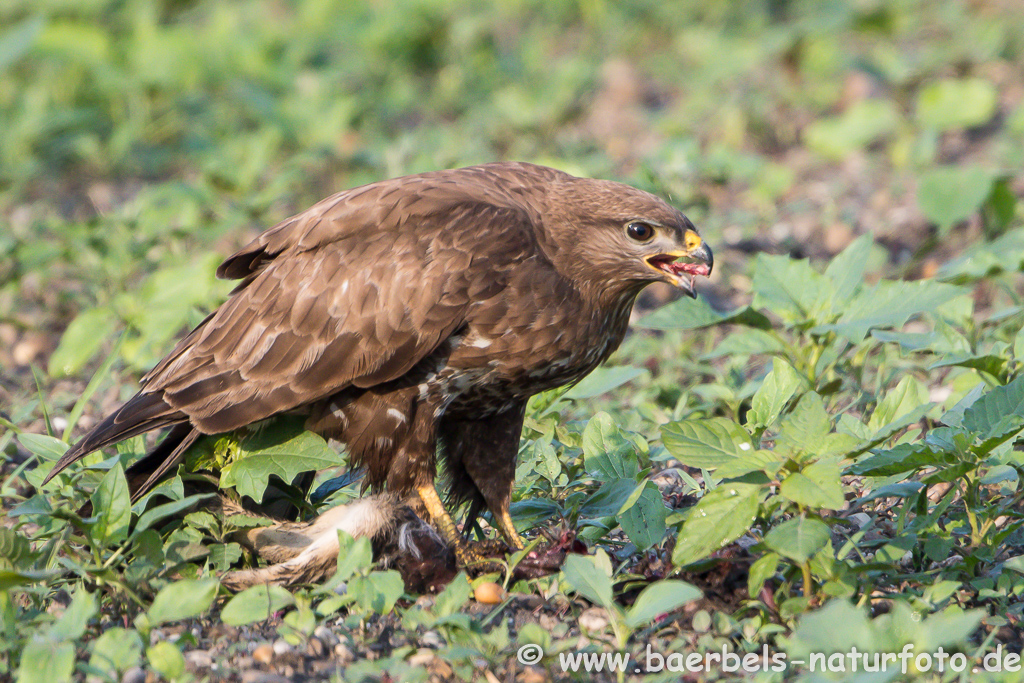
pixel 141 140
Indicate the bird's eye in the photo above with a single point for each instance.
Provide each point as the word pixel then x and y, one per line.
pixel 641 232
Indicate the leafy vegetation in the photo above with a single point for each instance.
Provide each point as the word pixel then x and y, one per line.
pixel 819 454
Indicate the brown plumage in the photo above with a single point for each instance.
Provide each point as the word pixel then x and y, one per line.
pixel 416 310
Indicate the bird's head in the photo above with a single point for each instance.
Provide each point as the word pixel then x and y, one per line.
pixel 619 238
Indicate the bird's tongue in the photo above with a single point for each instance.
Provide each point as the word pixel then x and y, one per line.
pixel 691 268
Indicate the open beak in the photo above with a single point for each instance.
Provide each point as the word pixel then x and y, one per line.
pixel 682 267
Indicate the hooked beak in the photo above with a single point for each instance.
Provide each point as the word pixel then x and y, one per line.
pixel 682 267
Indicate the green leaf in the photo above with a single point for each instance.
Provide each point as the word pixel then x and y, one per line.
pixel 687 314
pixel 748 342
pixel 112 504
pixel 182 599
pixel 951 194
pixel 587 579
pixel 835 627
pixel 798 538
pixel 608 499
pixel 255 604
pixel 706 443
pixel 166 659
pixel 906 397
pixel 12 578
pixel 659 598
pixel 805 428
pixel 862 123
pixel 75 620
pixel 379 591
pixel 545 460
pixel 46 661
pixel 602 380
pixel 985 416
pixel 816 486
pixel 985 259
pixel 165 510
pixel 453 597
pixel 18 40
pixel 117 649
pixel 762 570
pixel 643 517
pixel 164 303
pixel 889 304
pixel 790 288
pixel 956 103
pixel 223 555
pixel 43 446
pixel 527 514
pixel 606 452
pixel 354 554
pixel 846 271
pixel 899 459
pixel 721 516
pixel 775 391
pixel 81 341
pixel 15 549
pixel 999 474
pixel 285 452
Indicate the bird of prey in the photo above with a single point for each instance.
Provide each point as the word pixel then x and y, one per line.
pixel 413 313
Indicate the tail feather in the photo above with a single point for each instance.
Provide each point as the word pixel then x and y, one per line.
pixel 146 473
pixel 143 413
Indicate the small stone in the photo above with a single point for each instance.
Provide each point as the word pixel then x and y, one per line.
pixel 422 657
pixel 198 659
pixel 533 674
pixel 548 622
pixel 134 675
pixel 343 654
pixel 432 639
pixel 326 636
pixel 316 648
pixel 860 519
pixel 263 653
pixel 31 346
pixel 281 646
pixel 254 676
pixel 593 620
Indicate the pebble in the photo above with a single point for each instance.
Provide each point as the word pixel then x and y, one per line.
pixel 548 622
pixel 593 620
pixel 281 646
pixel 315 648
pixel 326 636
pixel 134 675
pixel 860 519
pixel 199 659
pixel 432 639
pixel 343 654
pixel 263 653
pixel 262 677
pixel 422 657
pixel 533 674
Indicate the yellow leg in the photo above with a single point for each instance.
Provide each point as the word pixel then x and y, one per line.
pixel 443 522
pixel 504 522
pixel 438 515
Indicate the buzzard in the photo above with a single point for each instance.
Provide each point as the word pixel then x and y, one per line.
pixel 413 313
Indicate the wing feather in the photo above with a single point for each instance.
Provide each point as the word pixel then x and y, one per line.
pixel 354 292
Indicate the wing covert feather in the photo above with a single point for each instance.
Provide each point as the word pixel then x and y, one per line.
pixel 331 301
